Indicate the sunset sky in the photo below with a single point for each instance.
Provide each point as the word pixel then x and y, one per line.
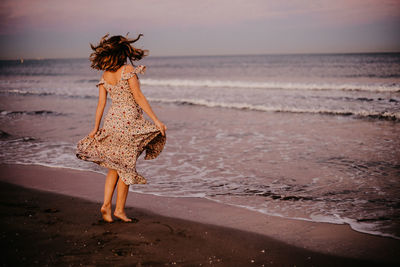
pixel 61 29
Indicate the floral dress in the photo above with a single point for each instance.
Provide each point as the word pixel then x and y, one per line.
pixel 125 133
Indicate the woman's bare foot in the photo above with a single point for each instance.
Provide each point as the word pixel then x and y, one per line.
pixel 122 216
pixel 106 212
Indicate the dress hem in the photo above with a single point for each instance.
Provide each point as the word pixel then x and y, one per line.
pixel 122 172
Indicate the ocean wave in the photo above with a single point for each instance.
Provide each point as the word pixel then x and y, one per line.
pixel 4 135
pixel 35 93
pixel 86 96
pixel 271 85
pixel 87 81
pixel 10 138
pixel 24 92
pixel 34 112
pixel 395 116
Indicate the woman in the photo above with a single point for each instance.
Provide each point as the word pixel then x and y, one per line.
pixel 125 133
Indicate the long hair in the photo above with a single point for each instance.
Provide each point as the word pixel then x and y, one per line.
pixel 112 53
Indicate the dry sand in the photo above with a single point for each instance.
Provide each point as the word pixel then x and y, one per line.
pixel 50 216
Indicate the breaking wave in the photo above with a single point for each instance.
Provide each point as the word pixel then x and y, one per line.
pixel 395 116
pixel 393 87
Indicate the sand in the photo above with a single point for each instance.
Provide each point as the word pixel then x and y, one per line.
pixel 50 216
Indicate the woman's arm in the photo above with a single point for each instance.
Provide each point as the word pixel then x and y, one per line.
pixel 100 109
pixel 142 102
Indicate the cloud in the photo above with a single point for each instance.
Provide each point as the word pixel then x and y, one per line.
pixel 89 14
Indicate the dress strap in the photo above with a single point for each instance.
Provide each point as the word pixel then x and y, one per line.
pixel 139 69
pixel 102 81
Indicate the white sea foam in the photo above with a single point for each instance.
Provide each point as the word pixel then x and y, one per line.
pixel 368 228
pixel 43 92
pixel 271 85
pixel 244 106
pixel 24 92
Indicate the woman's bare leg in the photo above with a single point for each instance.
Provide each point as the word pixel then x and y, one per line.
pixel 122 193
pixel 109 187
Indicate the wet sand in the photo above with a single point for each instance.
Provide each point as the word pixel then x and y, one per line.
pixel 44 222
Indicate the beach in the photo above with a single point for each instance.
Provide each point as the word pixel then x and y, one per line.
pixel 50 217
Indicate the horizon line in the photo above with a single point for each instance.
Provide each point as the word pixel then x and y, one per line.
pixel 217 55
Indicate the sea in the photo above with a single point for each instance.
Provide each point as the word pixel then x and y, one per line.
pixel 312 137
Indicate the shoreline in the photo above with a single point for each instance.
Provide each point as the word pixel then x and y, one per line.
pixel 326 238
pixel 345 221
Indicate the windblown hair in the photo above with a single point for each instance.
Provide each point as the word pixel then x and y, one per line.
pixel 112 53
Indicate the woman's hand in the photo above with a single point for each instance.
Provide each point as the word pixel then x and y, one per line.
pixel 161 126
pixel 92 133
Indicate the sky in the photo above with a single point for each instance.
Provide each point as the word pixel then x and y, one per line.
pixel 64 29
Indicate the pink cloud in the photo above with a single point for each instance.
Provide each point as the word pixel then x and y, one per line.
pixel 90 14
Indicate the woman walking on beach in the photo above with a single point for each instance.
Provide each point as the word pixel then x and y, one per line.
pixel 125 133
